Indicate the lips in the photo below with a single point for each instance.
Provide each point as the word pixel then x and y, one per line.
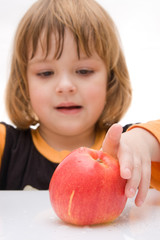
pixel 68 108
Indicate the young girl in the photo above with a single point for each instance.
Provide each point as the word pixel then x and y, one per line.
pixel 69 80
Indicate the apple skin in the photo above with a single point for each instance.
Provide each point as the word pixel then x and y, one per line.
pixel 86 188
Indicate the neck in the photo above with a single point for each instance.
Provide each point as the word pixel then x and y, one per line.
pixel 61 142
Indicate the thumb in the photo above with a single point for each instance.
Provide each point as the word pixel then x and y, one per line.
pixel 111 142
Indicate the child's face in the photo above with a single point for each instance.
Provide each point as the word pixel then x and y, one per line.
pixel 68 95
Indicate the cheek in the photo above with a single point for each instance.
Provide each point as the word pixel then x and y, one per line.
pixel 97 99
pixel 97 94
pixel 37 97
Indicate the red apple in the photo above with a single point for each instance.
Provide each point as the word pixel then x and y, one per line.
pixel 86 188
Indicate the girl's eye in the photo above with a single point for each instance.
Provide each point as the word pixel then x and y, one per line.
pixel 45 74
pixel 84 72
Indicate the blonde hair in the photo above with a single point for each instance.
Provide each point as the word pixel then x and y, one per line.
pixel 92 28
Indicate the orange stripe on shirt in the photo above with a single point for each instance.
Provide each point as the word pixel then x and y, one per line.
pixel 155 175
pixel 2 140
pixel 57 156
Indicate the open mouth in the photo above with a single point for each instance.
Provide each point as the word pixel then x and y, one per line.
pixel 69 107
pixel 72 109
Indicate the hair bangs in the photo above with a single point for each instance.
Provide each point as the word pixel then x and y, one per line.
pixel 87 32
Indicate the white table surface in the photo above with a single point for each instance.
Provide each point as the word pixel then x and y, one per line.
pixel 28 215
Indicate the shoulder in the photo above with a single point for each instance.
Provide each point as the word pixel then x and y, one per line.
pixel 12 138
pixel 10 134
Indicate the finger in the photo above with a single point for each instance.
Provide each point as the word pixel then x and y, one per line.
pixel 111 142
pixel 134 181
pixel 144 183
pixel 126 162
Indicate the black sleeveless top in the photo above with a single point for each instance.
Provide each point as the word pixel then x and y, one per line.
pixel 22 164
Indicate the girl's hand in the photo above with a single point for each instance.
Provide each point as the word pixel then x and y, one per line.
pixel 134 149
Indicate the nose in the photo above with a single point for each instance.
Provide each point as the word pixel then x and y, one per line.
pixel 65 86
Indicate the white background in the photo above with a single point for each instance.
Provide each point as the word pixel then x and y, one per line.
pixel 138 22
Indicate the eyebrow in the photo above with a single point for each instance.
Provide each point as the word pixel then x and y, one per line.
pixel 92 57
pixel 36 60
pixel 42 60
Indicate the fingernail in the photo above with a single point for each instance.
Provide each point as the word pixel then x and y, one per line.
pixel 139 203
pixel 127 173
